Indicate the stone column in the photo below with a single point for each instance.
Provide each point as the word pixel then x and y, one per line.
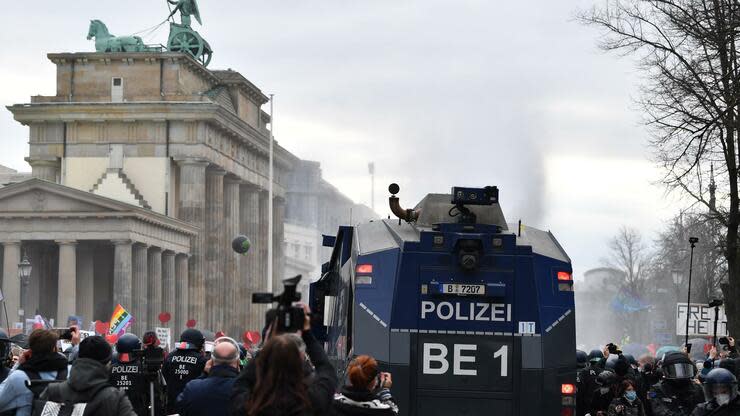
pixel 122 254
pixel 214 275
pixel 168 287
pixel 181 294
pixel 139 286
pixel 85 284
pixel 66 283
pixel 278 242
pixel 233 276
pixel 154 287
pixel 249 213
pixel 46 169
pixel 192 205
pixel 11 283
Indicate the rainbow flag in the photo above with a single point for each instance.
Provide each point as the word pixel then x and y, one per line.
pixel 119 321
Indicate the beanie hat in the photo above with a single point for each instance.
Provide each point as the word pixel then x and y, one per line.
pixel 95 348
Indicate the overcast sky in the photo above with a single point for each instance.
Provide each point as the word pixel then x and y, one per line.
pixel 436 93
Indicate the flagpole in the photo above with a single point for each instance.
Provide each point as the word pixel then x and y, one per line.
pixel 269 196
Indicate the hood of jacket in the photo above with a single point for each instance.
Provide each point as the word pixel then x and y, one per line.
pixel 88 374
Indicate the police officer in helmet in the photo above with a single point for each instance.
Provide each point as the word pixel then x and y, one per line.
pixel 6 359
pixel 676 394
pixel 127 373
pixel 604 394
pixel 182 365
pixel 586 381
pixel 720 391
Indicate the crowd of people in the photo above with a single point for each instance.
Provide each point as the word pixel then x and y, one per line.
pixel 288 374
pixel 610 383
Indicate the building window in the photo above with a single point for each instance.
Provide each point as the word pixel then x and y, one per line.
pixel 116 92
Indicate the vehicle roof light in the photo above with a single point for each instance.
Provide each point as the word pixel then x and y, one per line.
pixel 565 277
pixel 364 269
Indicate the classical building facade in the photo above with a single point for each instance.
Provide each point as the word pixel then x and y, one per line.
pixel 145 166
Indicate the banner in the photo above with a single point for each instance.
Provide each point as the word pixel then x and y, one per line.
pixel 119 321
pixel 701 320
pixel 165 337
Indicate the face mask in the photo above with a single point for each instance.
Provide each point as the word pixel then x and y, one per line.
pixel 722 399
pixel 604 390
pixel 630 395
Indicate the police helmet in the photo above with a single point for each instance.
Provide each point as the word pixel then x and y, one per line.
pixel 677 366
pixel 581 358
pixel 595 356
pixel 606 378
pixel 126 345
pixel 611 362
pixel 631 360
pixel 191 339
pixel 720 385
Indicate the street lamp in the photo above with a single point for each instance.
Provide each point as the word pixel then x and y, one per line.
pixel 692 242
pixel 24 274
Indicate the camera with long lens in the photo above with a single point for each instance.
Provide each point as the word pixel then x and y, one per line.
pixel 288 318
pixel 151 359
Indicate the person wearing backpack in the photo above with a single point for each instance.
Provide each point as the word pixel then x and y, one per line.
pixel 88 389
pixel 40 362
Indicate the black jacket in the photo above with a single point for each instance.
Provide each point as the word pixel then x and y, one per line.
pixel 352 402
pixel 178 369
pixel 88 383
pixel 711 409
pixel 321 384
pixel 208 396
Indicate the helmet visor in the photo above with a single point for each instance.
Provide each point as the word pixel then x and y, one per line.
pixel 713 391
pixel 680 370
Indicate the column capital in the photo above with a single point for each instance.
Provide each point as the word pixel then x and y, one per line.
pixel 141 245
pixel 11 243
pixel 190 161
pixel 36 161
pixel 121 242
pixel 66 242
pixel 168 253
pixel 156 248
pixel 186 255
pixel 233 179
pixel 216 171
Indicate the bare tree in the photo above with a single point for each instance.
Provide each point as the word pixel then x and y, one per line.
pixel 629 255
pixel 687 53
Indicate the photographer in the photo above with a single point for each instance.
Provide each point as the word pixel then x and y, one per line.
pixel 182 365
pixel 276 383
pixel 128 375
pixel 210 395
pixel 368 392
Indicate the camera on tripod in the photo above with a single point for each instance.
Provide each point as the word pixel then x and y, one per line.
pixel 151 359
pixel 289 318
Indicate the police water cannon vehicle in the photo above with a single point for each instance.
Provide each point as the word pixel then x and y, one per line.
pixel 470 317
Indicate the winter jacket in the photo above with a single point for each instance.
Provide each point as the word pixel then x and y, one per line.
pixel 180 367
pixel 89 383
pixel 712 409
pixel 15 396
pixel 353 402
pixel 623 407
pixel 321 384
pixel 208 395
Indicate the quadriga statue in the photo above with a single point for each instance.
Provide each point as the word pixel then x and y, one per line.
pixel 106 42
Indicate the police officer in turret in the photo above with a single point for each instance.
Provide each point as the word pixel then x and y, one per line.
pixel 677 394
pixel 184 364
pixel 720 391
pixel 127 373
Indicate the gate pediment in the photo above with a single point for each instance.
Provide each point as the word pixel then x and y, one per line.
pixel 38 196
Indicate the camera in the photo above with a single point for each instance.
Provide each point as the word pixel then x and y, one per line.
pixel 474 196
pixel 151 359
pixel 724 341
pixel 64 333
pixel 289 318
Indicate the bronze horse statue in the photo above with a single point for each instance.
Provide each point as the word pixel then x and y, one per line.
pixel 106 42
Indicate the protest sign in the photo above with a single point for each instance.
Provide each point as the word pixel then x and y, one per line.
pixel 701 320
pixel 165 337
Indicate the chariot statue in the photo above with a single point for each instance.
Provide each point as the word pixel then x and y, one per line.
pixel 182 37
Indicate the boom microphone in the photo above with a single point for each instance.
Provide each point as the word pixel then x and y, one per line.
pixel 241 244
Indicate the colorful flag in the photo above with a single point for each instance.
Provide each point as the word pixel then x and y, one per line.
pixel 119 321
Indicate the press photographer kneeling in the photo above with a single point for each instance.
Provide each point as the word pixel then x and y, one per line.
pixel 278 381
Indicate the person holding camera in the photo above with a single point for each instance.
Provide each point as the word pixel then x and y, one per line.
pixel 368 392
pixel 209 396
pixel 40 362
pixel 89 383
pixel 677 394
pixel 184 364
pixel 276 382
pixel 128 375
